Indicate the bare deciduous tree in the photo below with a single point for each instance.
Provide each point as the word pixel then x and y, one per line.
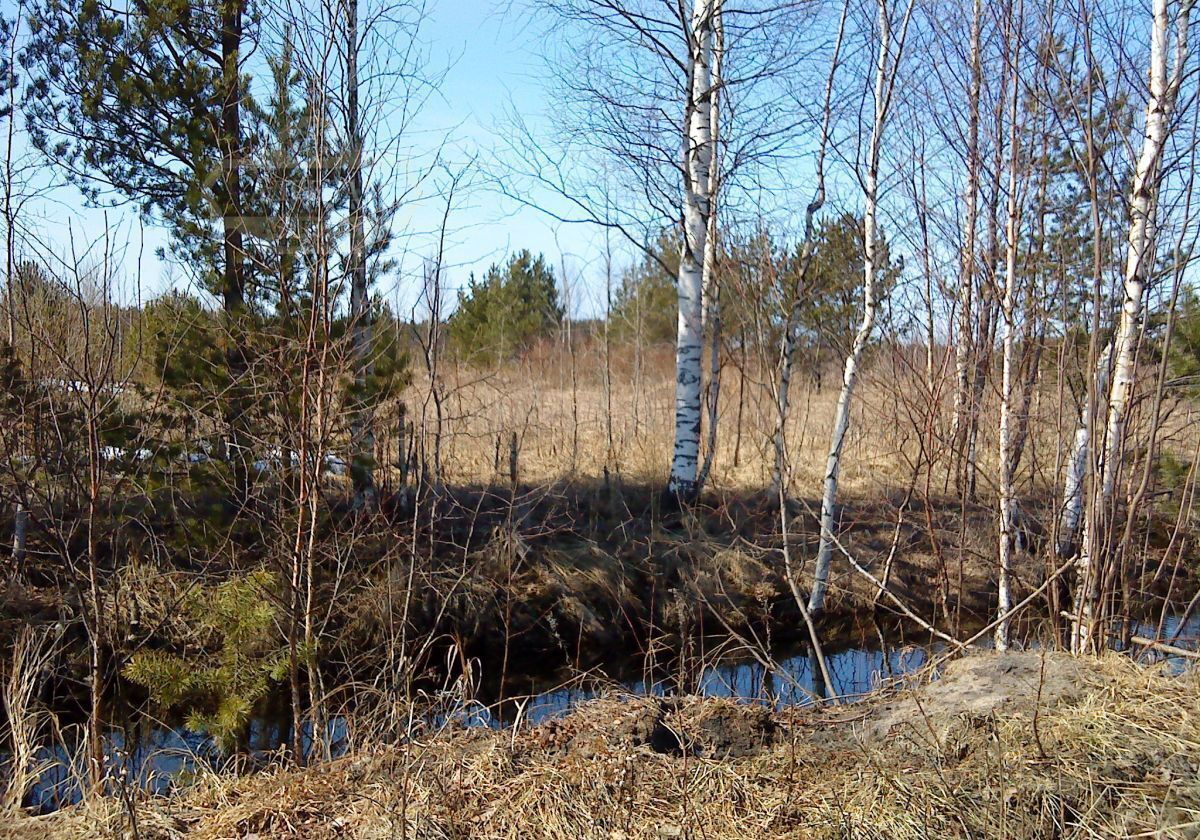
pixel 887 60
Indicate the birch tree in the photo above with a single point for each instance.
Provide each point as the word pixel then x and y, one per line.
pixel 887 63
pixel 697 207
pixel 712 287
pixel 1164 84
pixel 1012 230
pixel 966 287
pixel 1143 231
pixel 791 332
pixel 1070 516
pixel 1091 142
pixel 640 88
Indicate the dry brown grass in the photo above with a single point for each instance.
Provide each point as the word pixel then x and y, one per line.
pixel 1016 746
pixel 563 426
pixel 562 413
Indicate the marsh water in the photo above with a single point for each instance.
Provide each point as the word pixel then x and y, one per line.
pixel 156 755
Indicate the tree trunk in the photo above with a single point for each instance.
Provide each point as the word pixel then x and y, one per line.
pixel 10 216
pixel 885 71
pixel 711 283
pixel 791 332
pixel 96 627
pixel 963 410
pixel 1139 261
pixel 1071 515
pixel 20 534
pixel 362 439
pixel 1142 233
pixel 233 292
pixel 697 204
pixel 1012 229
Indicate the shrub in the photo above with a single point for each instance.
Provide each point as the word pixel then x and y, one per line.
pixel 217 693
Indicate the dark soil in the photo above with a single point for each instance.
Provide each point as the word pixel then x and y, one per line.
pixel 531 580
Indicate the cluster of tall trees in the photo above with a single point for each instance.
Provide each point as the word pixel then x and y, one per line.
pixel 262 137
pixel 511 307
pixel 757 271
pixel 258 168
pixel 1033 160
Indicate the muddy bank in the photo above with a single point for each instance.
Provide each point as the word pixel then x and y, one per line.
pixel 567 574
pixel 509 586
pixel 1020 745
pixel 572 573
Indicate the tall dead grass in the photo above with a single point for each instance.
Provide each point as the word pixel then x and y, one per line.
pixel 573 420
pixel 563 419
pixel 24 718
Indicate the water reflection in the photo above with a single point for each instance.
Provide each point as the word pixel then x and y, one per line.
pixel 794 681
pixel 155 756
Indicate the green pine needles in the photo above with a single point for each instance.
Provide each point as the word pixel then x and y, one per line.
pixel 217 692
pixel 507 311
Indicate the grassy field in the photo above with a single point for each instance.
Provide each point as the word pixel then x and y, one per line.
pixel 563 420
pixel 575 415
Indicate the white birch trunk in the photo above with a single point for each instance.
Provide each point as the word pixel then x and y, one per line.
pixel 1142 232
pixel 1012 229
pixel 689 346
pixel 1071 515
pixel 841 424
pixel 966 288
pixel 712 290
pixel 20 534
pixel 1138 262
pixel 791 333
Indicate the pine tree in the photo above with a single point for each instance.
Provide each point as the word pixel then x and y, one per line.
pixel 503 314
pixel 132 99
pixel 835 288
pixel 644 304
pixel 218 691
pixel 147 100
pixel 290 183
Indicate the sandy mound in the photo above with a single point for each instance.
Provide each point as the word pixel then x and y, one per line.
pixel 974 688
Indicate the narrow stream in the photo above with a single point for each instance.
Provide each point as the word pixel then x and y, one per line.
pixel 159 756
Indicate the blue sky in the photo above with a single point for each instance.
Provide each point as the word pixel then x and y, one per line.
pixel 491 55
pixel 494 61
